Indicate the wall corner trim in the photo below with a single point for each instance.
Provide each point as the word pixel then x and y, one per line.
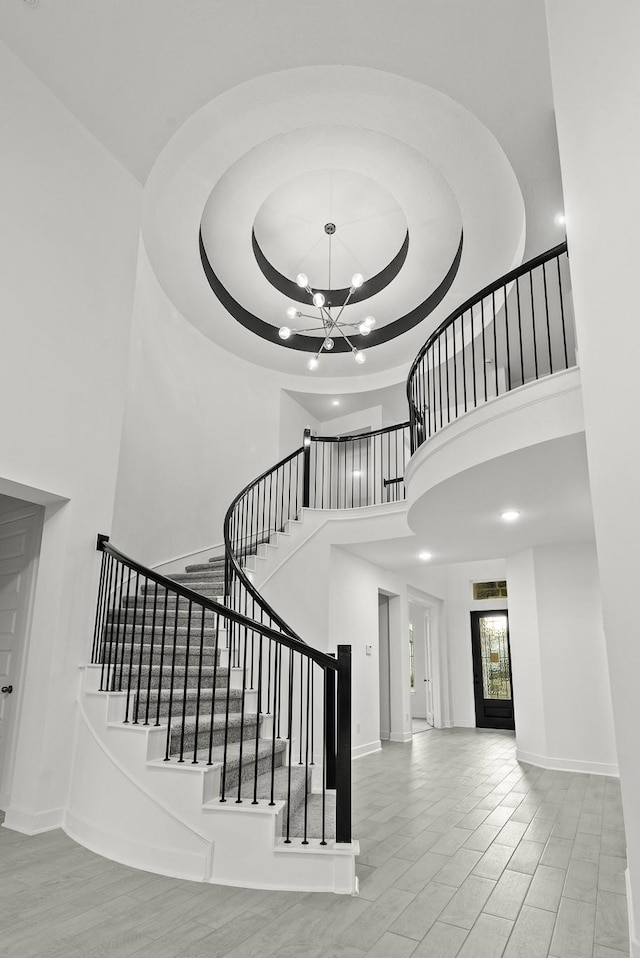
pixel 567 764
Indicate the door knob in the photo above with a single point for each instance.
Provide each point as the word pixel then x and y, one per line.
pixel 7 688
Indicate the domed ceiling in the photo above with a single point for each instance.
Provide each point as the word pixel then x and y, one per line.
pixel 330 172
pixel 254 97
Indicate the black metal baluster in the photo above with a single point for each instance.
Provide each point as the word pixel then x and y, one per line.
pixel 287 840
pixel 484 348
pixel 153 632
pixel 533 325
pixel 186 679
pixel 198 692
pixel 306 754
pixel 446 369
pixel 564 329
pixel 223 778
pixel 546 309
pixel 145 596
pixel 242 716
pixel 124 630
pixel 520 328
pixel 255 766
pixel 106 680
pixel 172 681
pixel 214 688
pixel 473 357
pixel 506 326
pixel 276 658
pixel 495 342
pixel 440 378
pixel 162 651
pixel 455 370
pixel 133 639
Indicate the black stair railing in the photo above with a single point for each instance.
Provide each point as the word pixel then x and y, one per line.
pixel 518 329
pixel 230 691
pixel 347 472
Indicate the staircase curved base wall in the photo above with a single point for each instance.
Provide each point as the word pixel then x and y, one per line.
pixel 127 804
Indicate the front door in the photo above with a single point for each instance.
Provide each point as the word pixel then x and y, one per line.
pixel 492 669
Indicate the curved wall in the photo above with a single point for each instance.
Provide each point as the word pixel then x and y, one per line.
pixel 528 444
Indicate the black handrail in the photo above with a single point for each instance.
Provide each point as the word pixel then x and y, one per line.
pixel 364 469
pixel 175 652
pixel 245 529
pixel 523 330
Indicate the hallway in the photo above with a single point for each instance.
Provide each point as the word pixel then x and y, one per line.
pixel 463 852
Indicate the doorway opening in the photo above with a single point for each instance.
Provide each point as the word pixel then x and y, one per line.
pixel 492 685
pixel 421 668
pixel 20 536
pixel 384 659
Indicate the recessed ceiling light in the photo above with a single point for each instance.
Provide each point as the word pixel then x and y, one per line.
pixel 336 402
pixel 560 219
pixel 424 556
pixel 510 515
pixel 356 472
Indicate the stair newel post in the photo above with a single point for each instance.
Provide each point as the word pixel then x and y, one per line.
pixel 330 727
pixel 306 470
pixel 343 756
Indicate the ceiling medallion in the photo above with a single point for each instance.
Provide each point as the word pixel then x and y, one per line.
pixel 328 319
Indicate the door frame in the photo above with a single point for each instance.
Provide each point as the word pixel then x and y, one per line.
pixel 31 575
pixel 507 719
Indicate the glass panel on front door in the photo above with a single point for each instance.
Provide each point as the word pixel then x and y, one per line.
pixel 492 685
pixel 494 650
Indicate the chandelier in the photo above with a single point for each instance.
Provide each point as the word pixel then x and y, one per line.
pixel 329 319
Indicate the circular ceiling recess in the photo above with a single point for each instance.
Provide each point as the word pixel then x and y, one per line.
pixel 330 224
pixel 387 214
pixel 260 183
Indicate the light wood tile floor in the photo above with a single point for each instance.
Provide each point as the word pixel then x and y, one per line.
pixel 464 852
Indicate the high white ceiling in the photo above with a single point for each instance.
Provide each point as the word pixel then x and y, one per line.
pixel 265 80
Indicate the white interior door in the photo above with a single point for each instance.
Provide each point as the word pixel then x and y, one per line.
pixel 19 546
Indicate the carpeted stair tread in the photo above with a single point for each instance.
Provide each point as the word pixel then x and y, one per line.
pixel 177 697
pixel 280 785
pixel 314 818
pixel 233 757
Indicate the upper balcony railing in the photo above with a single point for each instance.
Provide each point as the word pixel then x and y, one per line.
pixel 518 329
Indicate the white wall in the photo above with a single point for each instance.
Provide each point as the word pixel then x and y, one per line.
pixel 596 76
pixel 294 419
pixel 458 605
pixel 199 424
pixel 564 716
pixel 70 219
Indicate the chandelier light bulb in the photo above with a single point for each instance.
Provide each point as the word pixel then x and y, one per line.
pixel 328 343
pixel 318 300
pixel 302 280
pixel 284 332
pixel 359 356
pixel 292 313
pixel 313 363
pixel 357 280
pixel 369 322
pixel 364 329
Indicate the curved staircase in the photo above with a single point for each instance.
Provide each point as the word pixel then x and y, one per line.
pixel 214 743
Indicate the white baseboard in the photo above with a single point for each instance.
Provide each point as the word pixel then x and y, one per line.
pixel 359 750
pixel 401 736
pixel 634 942
pixel 567 764
pixel 30 823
